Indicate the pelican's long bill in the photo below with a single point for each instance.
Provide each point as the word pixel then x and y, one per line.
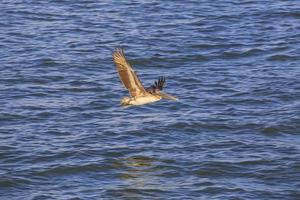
pixel 167 96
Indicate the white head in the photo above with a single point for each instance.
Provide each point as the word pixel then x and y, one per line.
pixel 125 101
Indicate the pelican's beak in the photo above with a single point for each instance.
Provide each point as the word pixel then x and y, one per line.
pixel 167 96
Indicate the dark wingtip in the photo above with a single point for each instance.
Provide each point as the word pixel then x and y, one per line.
pixel 161 82
pixel 118 51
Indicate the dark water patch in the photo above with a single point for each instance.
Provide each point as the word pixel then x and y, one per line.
pixel 83 83
pixel 13 182
pixel 45 114
pixel 81 89
pixel 10 117
pixel 132 193
pixel 215 189
pixel 48 62
pixel 37 94
pixel 282 58
pixel 72 170
pixel 42 197
pixel 197 58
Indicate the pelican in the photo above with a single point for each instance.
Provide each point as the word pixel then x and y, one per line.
pixel 138 94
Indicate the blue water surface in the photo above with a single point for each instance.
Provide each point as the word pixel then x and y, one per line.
pixel 234 134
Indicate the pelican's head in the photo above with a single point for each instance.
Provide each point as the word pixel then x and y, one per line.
pixel 125 101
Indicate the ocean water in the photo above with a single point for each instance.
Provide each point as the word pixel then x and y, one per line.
pixel 234 134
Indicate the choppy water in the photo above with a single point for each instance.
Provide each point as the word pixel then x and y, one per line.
pixel 235 65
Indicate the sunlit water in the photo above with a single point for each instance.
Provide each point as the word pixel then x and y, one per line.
pixel 235 66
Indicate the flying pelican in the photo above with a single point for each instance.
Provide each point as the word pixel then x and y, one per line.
pixel 139 94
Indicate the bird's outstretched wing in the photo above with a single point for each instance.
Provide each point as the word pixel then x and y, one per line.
pixel 127 74
pixel 157 86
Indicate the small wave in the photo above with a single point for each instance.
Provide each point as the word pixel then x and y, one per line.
pixel 73 169
pixel 281 58
pixel 251 52
pixel 10 117
pixel 13 182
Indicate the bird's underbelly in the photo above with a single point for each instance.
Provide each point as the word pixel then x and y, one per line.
pixel 144 100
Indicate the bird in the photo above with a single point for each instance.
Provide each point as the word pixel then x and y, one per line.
pixel 139 95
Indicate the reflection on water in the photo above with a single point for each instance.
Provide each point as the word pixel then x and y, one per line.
pixel 138 176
